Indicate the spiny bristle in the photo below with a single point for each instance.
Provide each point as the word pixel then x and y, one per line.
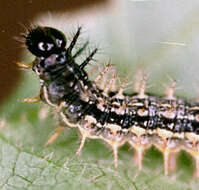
pixel 142 87
pixel 88 59
pixel 111 84
pixel 102 73
pixel 170 91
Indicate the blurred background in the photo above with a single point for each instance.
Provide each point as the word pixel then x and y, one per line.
pixel 160 37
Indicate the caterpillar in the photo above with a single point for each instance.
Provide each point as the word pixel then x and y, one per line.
pixel 99 111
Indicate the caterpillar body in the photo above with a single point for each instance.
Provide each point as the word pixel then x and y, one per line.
pixel 170 124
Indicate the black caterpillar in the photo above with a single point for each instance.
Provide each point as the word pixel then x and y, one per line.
pixel 170 124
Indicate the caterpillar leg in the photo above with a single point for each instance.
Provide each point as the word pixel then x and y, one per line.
pixel 31 99
pixel 172 162
pixel 81 145
pixel 115 153
pixel 139 149
pixel 140 143
pixel 169 157
pixel 24 65
pixel 169 148
pixel 58 109
pixel 54 136
pixel 85 134
pixel 86 131
pixel 166 155
pixel 139 157
pixel 115 143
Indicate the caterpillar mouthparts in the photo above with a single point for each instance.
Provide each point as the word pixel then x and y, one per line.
pixel 100 111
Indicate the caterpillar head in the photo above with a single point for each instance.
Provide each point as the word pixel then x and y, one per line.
pixel 45 41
